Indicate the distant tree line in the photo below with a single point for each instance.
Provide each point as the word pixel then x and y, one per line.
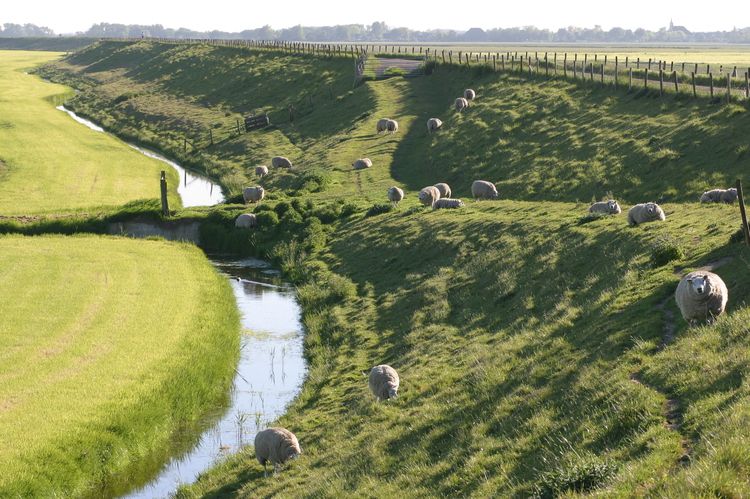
pixel 380 32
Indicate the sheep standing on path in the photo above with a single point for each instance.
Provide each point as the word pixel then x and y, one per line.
pixel 362 164
pixel 481 189
pixel 702 297
pixel 447 203
pixel 429 195
pixel 395 195
pixel 261 171
pixel 392 126
pixel 384 382
pixel 277 445
pixel 445 189
pixel 281 162
pixel 469 94
pixel 645 212
pixel 610 207
pixel 461 104
pixel 433 124
pixel 728 196
pixel 246 221
pixel 253 194
pixel 382 125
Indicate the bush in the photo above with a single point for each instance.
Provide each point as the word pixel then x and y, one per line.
pixel 267 219
pixel 282 207
pixel 349 209
pixel 378 209
pixel 665 251
pixel 580 477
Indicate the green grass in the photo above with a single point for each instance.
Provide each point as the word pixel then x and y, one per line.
pixel 53 163
pixel 108 347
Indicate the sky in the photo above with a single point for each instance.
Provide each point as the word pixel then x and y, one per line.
pixel 232 15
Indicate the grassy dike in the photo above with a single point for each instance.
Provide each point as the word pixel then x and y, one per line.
pixel 534 344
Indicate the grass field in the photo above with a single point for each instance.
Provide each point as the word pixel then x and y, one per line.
pixel 107 347
pixel 540 352
pixel 51 162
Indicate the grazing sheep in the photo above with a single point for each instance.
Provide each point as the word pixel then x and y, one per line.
pixel 281 162
pixel 445 189
pixel 277 445
pixel 447 203
pixel 469 94
pixel 392 126
pixel 461 104
pixel 481 189
pixel 361 164
pixel 645 212
pixel 433 124
pixel 429 195
pixel 261 171
pixel 395 194
pixel 246 221
pixel 253 194
pixel 382 125
pixel 610 207
pixel 729 196
pixel 702 297
pixel 384 382
pixel 719 196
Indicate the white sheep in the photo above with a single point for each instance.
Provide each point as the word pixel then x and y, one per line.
pixel 392 126
pixel 277 445
pixel 253 194
pixel 702 297
pixel 469 94
pixel 382 125
pixel 433 124
pixel 429 195
pixel 447 203
pixel 461 104
pixel 362 163
pixel 384 382
pixel 281 162
pixel 261 171
pixel 246 221
pixel 395 194
pixel 610 207
pixel 445 189
pixel 728 196
pixel 481 189
pixel 645 212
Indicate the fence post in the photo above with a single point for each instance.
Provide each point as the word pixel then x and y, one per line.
pixel 645 78
pixel 494 63
pixel 692 78
pixel 502 62
pixel 729 87
pixel 676 85
pixel 661 82
pixel 164 201
pixel 554 62
pixel 747 84
pixel 591 71
pixel 741 198
pixel 638 63
pixel 616 64
pixel 711 83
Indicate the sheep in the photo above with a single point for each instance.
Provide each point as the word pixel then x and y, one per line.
pixel 361 164
pixel 392 126
pixel 245 221
pixel 277 445
pixel 281 162
pixel 433 124
pixel 395 194
pixel 445 189
pixel 429 195
pixel 261 171
pixel 701 296
pixel 447 203
pixel 382 125
pixel 645 212
pixel 481 189
pixel 384 382
pixel 610 207
pixel 461 104
pixel 253 194
pixel 469 94
pixel 728 196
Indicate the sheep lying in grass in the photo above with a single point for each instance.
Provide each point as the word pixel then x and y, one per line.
pixel 728 196
pixel 429 195
pixel 461 104
pixel 645 212
pixel 362 163
pixel 392 126
pixel 277 445
pixel 395 195
pixel 246 221
pixel 281 162
pixel 382 125
pixel 610 207
pixel 469 94
pixel 433 124
pixel 481 189
pixel 253 194
pixel 702 297
pixel 445 189
pixel 443 203
pixel 261 171
pixel 384 382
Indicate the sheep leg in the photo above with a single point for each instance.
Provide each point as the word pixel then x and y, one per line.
pixel 275 468
pixel 265 471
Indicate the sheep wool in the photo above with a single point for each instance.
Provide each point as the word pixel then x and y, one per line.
pixel 461 104
pixel 433 124
pixel 362 163
pixel 277 446
pixel 645 212
pixel 392 126
pixel 469 94
pixel 447 203
pixel 382 125
pixel 384 382
pixel 445 189
pixel 261 171
pixel 395 194
pixel 610 207
pixel 281 162
pixel 481 189
pixel 429 195
pixel 729 196
pixel 253 194
pixel 702 297
pixel 246 221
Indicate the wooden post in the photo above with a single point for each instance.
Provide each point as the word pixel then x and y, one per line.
pixel 164 201
pixel 554 63
pixel 692 78
pixel 729 87
pixel 591 71
pixel 747 84
pixel 671 66
pixel 645 78
pixel 630 78
pixel 676 85
pixel 661 82
pixel 638 63
pixel 494 63
pixel 649 64
pixel 711 83
pixel 741 198
pixel 502 62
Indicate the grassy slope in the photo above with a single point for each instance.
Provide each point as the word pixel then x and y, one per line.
pixel 72 166
pixel 108 346
pixel 529 346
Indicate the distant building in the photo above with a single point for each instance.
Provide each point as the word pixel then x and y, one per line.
pixel 672 27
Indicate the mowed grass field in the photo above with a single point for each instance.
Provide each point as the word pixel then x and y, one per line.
pixel 107 347
pixel 48 162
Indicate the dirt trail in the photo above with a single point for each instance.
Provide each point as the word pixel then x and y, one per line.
pixel 411 67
